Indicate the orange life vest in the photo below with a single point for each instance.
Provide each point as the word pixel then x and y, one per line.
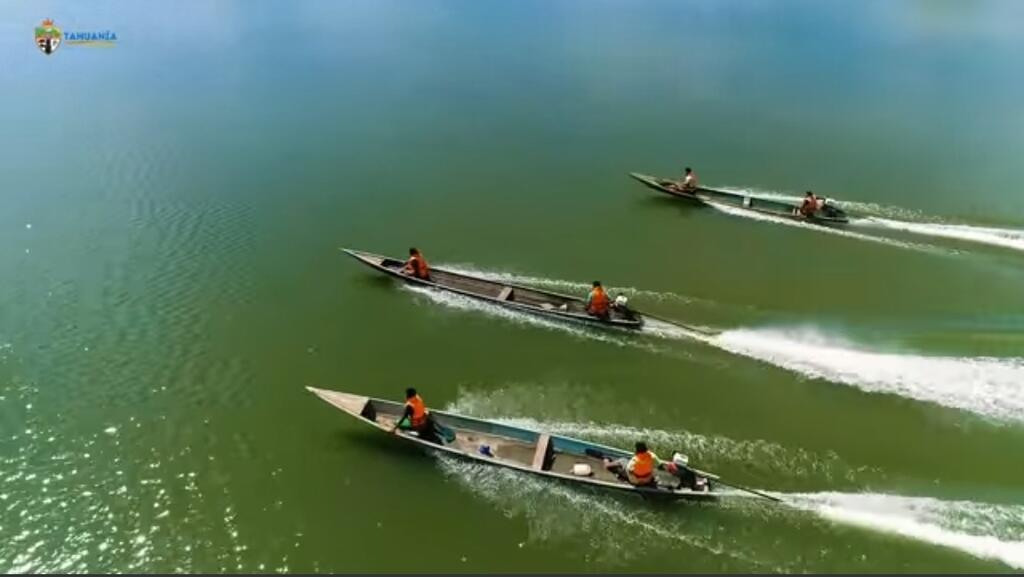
pixel 643 467
pixel 598 301
pixel 419 411
pixel 419 266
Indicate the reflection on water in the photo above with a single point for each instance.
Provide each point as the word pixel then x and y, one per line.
pixel 103 501
pixel 170 280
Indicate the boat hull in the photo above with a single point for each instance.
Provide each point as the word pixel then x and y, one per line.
pixel 525 450
pixel 770 207
pixel 512 296
pixel 744 202
pixel 666 186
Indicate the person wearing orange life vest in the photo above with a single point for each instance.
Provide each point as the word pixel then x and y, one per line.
pixel 639 470
pixel 810 204
pixel 416 265
pixel 416 417
pixel 598 303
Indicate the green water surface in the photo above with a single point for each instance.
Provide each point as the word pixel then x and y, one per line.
pixel 170 281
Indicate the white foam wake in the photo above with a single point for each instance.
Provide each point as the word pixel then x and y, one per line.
pixel 893 218
pixel 609 334
pixel 573 287
pixel 864 208
pixel 765 194
pixel 615 531
pixel 554 408
pixel 989 386
pixel 616 525
pixel 612 335
pixel 765 457
pixel 1001 237
pixel 986 531
pixel 745 213
pixel 652 327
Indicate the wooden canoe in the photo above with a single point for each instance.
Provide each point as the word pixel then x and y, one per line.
pixel 508 295
pixel 666 186
pixel 538 453
pixel 829 215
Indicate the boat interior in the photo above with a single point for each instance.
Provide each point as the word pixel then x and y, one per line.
pixel 505 293
pixel 539 451
pixel 828 213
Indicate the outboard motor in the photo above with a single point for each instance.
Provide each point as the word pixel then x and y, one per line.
pixel 830 210
pixel 680 468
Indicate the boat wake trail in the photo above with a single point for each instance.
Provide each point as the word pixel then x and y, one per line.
pixel 616 527
pixel 652 327
pixel 760 457
pixel 612 528
pixel 1000 237
pixel 573 287
pixel 984 530
pixel 894 218
pixel 610 335
pixel 757 457
pixel 988 386
pixel 737 211
pixel 669 330
pixel 866 208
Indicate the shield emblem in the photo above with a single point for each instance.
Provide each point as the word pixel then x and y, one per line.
pixel 48 37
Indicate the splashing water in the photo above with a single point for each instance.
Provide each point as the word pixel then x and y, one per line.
pixel 900 219
pixel 554 408
pixel 1000 237
pixel 613 524
pixel 613 335
pixel 988 386
pixel 566 285
pixel 616 530
pixel 652 327
pixel 745 213
pixel 867 208
pixel 984 530
pixel 758 456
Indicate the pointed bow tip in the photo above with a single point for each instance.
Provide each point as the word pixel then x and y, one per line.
pixel 345 401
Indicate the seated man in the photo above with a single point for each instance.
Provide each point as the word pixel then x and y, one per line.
pixel 689 183
pixel 416 265
pixel 598 303
pixel 416 418
pixel 679 467
pixel 639 470
pixel 809 205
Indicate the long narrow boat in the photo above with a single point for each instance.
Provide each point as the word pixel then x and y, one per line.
pixel 501 293
pixel 544 454
pixel 667 186
pixel 828 215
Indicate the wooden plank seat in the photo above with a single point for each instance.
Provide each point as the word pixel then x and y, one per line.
pixel 542 455
pixel 506 294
